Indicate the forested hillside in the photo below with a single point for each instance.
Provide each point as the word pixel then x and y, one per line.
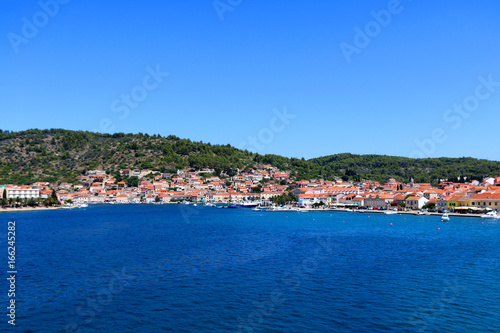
pixel 59 155
pixel 380 167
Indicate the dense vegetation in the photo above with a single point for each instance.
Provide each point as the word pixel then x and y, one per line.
pixel 426 170
pixel 59 155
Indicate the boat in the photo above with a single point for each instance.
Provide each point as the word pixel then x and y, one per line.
pixel 83 205
pixel 208 204
pixel 256 209
pixel 390 212
pixel 245 204
pixel 445 217
pixel 418 213
pixel 490 215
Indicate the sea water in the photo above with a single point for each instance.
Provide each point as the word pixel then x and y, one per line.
pixel 181 268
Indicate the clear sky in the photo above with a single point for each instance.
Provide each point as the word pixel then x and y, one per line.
pixel 295 78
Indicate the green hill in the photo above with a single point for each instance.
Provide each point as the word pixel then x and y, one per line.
pixel 427 170
pixel 60 155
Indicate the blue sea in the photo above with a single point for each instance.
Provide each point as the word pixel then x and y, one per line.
pixel 180 268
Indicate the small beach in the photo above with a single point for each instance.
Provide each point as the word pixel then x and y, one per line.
pixel 26 209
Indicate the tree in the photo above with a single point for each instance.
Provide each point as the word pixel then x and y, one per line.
pixel 283 199
pixel 429 206
pixel 133 181
pixel 257 189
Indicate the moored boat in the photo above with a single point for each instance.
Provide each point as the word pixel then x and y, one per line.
pixel 245 204
pixel 491 215
pixel 445 217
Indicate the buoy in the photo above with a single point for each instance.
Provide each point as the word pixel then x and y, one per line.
pixel 260 214
pixel 482 222
pixel 287 217
pixel 442 221
pixel 391 223
pixel 368 216
pixel 439 228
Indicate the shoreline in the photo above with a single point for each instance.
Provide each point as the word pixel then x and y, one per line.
pixel 345 210
pixel 368 211
pixel 26 209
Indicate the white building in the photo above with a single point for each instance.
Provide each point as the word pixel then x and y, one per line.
pixel 23 192
pixel 415 202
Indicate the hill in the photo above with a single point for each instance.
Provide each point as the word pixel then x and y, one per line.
pixel 59 155
pixel 426 170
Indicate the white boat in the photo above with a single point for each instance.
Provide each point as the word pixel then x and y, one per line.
pixel 490 215
pixel 256 209
pixel 208 204
pixel 445 217
pixel 418 213
pixel 390 212
pixel 83 205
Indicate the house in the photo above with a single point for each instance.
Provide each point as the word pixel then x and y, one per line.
pixel 486 200
pixel 378 200
pixel 269 195
pixel 432 194
pixel 459 199
pixel 306 199
pixel 415 202
pixel 96 199
pixel 442 203
pixel 65 186
pixel 121 198
pixel 96 172
pixel 81 198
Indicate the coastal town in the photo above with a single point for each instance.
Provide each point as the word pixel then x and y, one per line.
pixel 259 185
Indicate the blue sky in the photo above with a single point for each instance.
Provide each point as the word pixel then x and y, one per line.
pixel 234 66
